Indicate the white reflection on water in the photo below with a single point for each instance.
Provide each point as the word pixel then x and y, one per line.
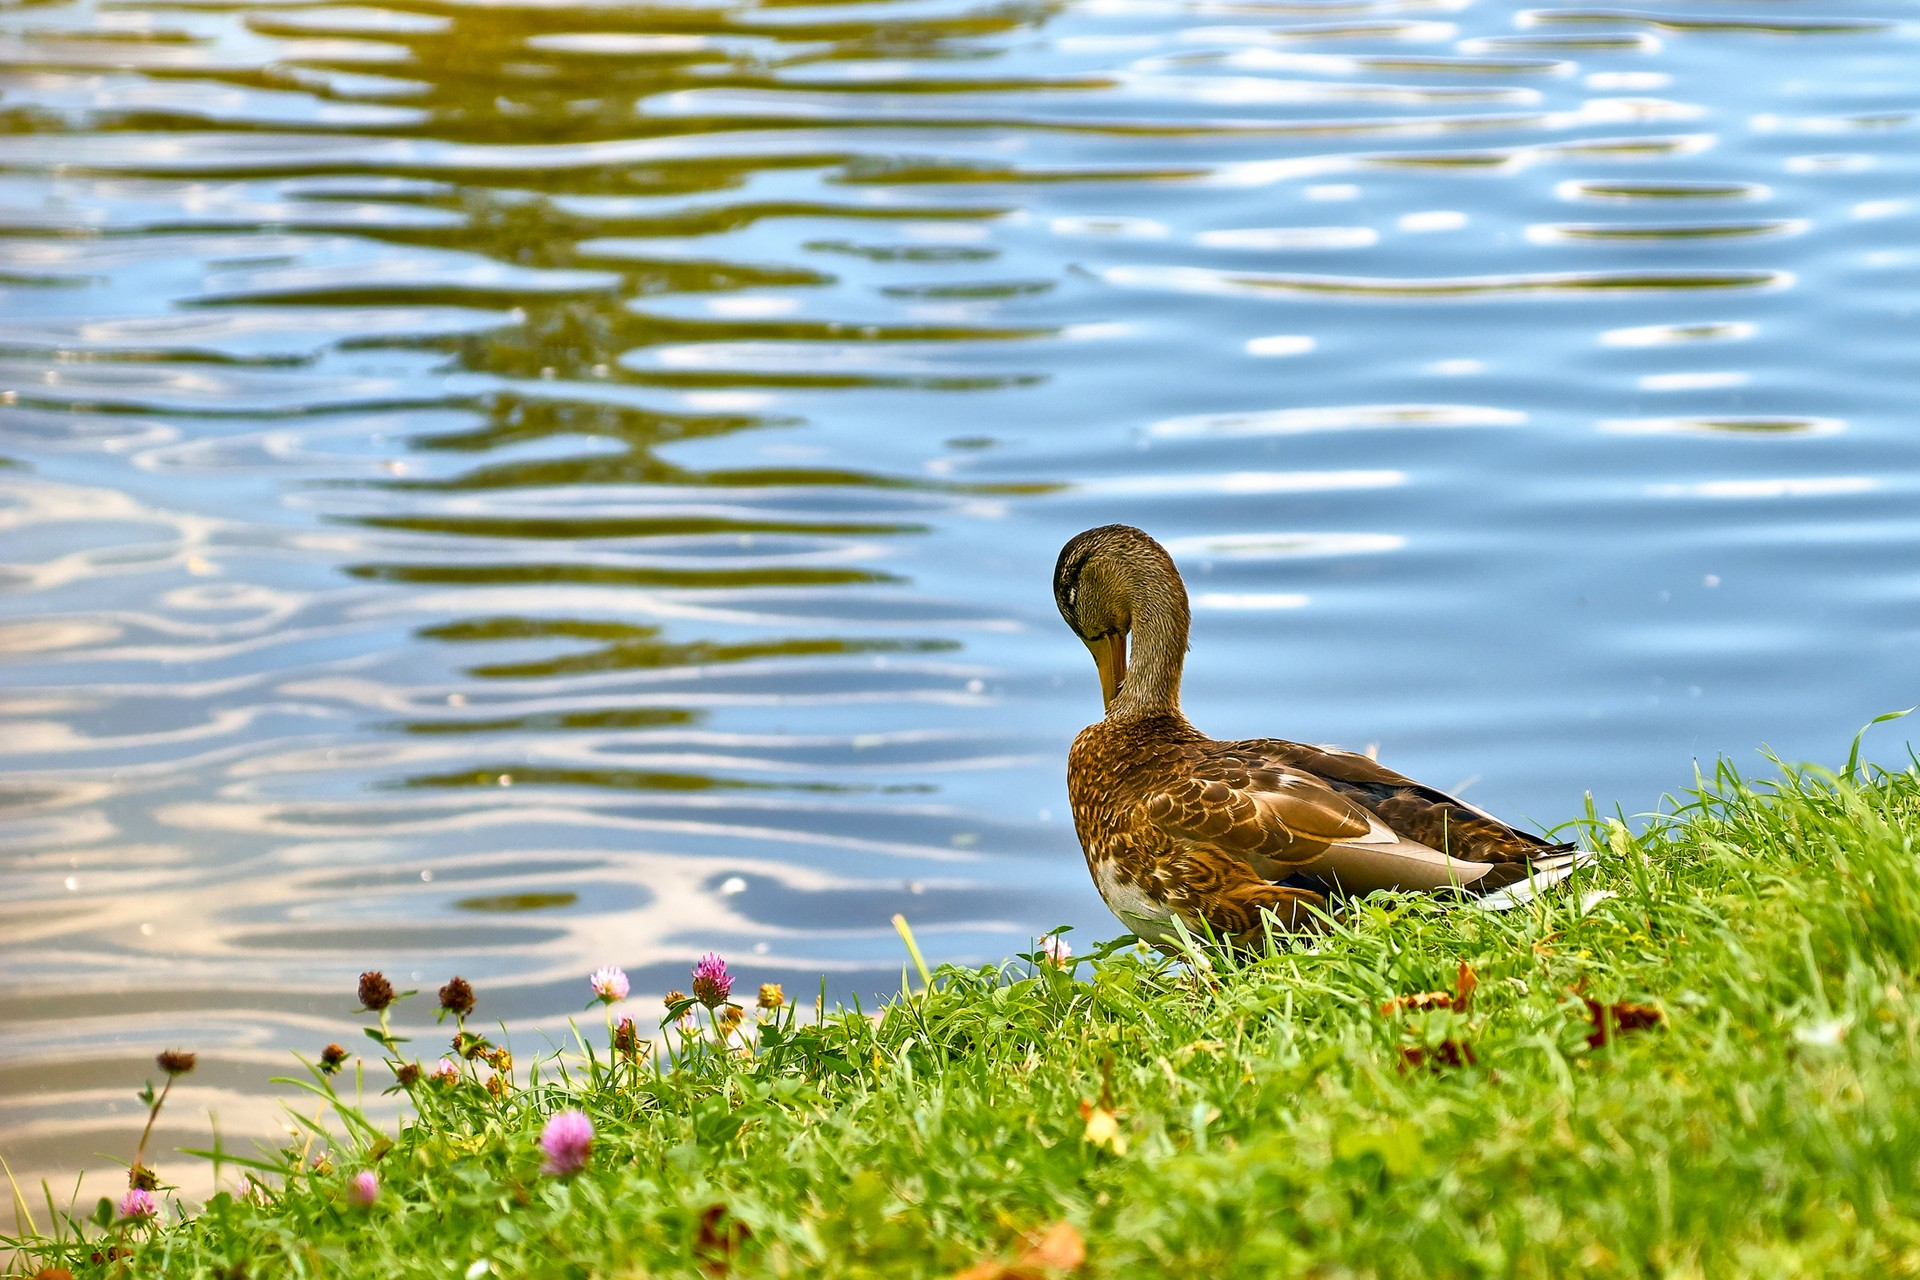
pixel 1339 418
pixel 1275 546
pixel 1244 482
pixel 1254 601
pixel 1785 487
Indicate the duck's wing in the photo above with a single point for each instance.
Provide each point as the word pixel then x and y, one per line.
pixel 1283 821
pixel 1418 812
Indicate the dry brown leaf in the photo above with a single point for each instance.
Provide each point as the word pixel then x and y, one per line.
pixel 1448 1053
pixel 1611 1020
pixel 1418 1000
pixel 1457 1000
pixel 1059 1250
pixel 719 1239
pixel 1463 984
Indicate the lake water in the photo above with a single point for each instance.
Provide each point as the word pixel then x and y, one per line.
pixel 510 487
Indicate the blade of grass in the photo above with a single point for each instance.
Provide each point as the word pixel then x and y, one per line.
pixel 901 927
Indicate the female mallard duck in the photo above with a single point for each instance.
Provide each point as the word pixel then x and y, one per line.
pixel 1176 825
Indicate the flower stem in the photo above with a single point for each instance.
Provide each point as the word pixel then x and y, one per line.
pixel 153 1113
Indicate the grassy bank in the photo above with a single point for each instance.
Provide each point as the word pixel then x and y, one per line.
pixel 1711 1072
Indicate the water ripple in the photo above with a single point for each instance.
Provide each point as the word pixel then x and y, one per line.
pixel 1257 284
pixel 512 487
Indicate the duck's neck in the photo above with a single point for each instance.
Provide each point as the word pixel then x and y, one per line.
pixel 1159 644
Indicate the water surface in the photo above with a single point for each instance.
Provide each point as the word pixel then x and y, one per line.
pixel 508 487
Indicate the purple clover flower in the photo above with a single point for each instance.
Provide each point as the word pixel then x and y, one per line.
pixel 365 1187
pixel 566 1141
pixel 138 1205
pixel 711 981
pixel 609 985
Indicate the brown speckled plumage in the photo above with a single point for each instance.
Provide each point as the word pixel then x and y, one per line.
pixel 1175 824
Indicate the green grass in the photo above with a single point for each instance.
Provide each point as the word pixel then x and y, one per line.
pixel 1272 1121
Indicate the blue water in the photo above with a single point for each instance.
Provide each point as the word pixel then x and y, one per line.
pixel 509 488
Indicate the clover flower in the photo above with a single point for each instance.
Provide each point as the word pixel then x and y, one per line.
pixel 566 1141
pixel 446 1072
pixel 407 1074
pixel 365 1187
pixel 376 993
pixel 175 1062
pixel 771 996
pixel 457 996
pixel 138 1205
pixel 626 1039
pixel 1056 949
pixel 609 984
pixel 711 981
pixel 332 1058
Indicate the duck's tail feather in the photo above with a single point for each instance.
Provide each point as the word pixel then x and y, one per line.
pixel 1514 884
pixel 1353 868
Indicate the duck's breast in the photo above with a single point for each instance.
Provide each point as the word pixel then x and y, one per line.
pixel 1136 909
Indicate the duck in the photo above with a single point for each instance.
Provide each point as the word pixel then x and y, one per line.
pixel 1243 841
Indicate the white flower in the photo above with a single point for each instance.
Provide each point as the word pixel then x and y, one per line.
pixel 1822 1034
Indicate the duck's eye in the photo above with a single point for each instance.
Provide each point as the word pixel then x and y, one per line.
pixel 1072 592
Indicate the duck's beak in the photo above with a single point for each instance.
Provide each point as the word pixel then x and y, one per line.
pixel 1110 655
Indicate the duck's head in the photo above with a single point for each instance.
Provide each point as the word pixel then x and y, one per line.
pixel 1110 581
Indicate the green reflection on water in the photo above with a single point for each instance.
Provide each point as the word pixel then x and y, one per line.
pixel 627 646
pixel 557 721
pixel 505 902
pixel 613 575
pixel 512 419
pixel 632 780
